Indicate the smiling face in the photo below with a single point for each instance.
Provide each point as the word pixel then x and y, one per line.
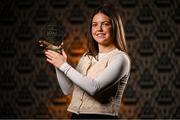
pixel 102 29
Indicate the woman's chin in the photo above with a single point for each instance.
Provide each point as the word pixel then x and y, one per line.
pixel 101 41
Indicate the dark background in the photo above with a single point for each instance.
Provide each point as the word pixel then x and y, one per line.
pixel 28 84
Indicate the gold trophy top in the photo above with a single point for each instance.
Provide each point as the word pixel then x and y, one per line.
pixel 50 46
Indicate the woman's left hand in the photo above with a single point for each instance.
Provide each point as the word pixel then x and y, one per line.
pixel 55 58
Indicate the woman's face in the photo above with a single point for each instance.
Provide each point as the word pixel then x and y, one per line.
pixel 102 29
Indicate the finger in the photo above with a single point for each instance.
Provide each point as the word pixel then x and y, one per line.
pixel 64 54
pixel 49 55
pixel 49 60
pixel 52 52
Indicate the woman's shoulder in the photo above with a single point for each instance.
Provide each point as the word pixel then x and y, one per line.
pixel 121 58
pixel 121 55
pixel 85 58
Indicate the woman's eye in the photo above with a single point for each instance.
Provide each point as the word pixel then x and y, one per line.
pixel 106 24
pixel 93 25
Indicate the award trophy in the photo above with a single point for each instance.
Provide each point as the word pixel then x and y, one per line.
pixel 52 37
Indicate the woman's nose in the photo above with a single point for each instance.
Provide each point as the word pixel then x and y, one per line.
pixel 100 27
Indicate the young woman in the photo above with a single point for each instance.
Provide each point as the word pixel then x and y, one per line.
pixel 98 82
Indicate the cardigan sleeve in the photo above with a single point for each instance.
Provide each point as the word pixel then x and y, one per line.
pixel 65 83
pixel 118 67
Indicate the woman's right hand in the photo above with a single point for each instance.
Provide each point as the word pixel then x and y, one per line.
pixel 55 58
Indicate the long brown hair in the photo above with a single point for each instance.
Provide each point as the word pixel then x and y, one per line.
pixel 118 34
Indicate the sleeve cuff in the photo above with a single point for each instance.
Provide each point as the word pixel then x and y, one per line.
pixel 65 67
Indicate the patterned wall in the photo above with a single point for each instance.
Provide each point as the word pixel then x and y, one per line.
pixel 28 85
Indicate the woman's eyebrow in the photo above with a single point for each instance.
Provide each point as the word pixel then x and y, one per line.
pixel 100 21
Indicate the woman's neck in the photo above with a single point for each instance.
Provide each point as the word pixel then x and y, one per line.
pixel 106 49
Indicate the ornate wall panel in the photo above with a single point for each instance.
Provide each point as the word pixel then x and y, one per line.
pixel 28 84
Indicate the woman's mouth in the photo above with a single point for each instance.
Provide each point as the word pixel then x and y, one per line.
pixel 100 34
